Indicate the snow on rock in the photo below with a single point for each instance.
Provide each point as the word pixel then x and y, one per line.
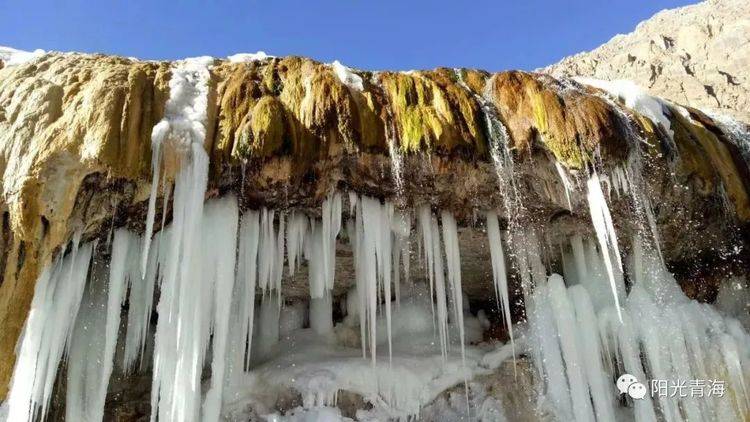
pixel 634 97
pixel 347 76
pixel 12 57
pixel 248 57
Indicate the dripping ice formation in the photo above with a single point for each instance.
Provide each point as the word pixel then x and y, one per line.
pixel 227 343
pixel 182 128
pixel 48 330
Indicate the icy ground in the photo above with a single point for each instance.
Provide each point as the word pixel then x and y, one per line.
pixel 318 367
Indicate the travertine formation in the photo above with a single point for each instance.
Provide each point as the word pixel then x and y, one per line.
pixel 696 55
pixel 75 151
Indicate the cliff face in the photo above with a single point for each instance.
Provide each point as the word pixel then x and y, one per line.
pixel 75 151
pixel 696 55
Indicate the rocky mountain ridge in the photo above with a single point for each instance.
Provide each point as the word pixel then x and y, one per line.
pixel 697 55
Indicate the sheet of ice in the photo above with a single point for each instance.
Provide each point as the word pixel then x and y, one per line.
pixel 57 298
pixel 13 57
pixel 347 76
pixel 249 57
pixel 634 97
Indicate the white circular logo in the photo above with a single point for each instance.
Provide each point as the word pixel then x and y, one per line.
pixel 624 382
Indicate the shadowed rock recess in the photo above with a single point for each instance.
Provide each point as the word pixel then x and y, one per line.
pixel 286 134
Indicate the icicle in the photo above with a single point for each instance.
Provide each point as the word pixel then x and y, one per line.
pixel 434 257
pixel 321 312
pixel 268 324
pixel 499 274
pixel 278 259
pixel 320 249
pixel 424 217
pixel 93 341
pixel 605 233
pixel 316 271
pixel 373 257
pixel 564 315
pixel 267 251
pixel 331 212
pixel 453 262
pixel 184 124
pixel 588 340
pixel 245 285
pixel 157 137
pixel 141 303
pixel 179 335
pixel 220 231
pixel 295 239
pixel 547 352
pixel 368 265
pixel 57 298
pixel 362 270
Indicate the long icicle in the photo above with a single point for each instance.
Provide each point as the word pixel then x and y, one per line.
pixel 605 233
pixel 57 297
pixel 499 275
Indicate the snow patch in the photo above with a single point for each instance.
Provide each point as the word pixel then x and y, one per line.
pixel 634 97
pixel 249 57
pixel 13 57
pixel 347 76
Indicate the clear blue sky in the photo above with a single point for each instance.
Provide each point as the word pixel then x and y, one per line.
pixel 377 34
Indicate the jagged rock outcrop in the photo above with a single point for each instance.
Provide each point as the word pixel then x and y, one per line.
pixel 696 55
pixel 75 152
